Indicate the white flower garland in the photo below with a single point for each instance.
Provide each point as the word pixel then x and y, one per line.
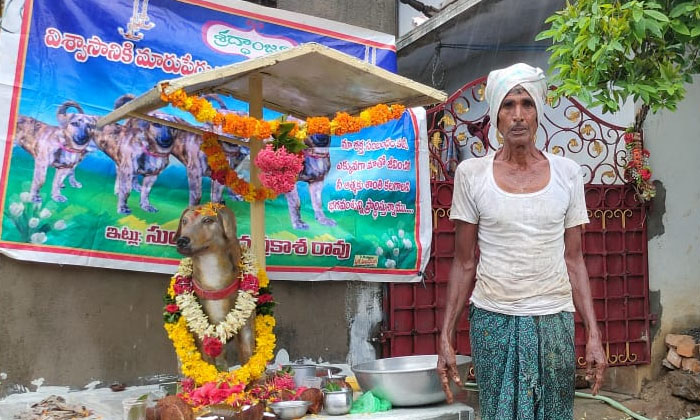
pixel 198 321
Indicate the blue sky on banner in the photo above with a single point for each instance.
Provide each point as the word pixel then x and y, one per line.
pixel 57 68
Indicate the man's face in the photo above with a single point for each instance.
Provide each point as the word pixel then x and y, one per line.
pixel 517 117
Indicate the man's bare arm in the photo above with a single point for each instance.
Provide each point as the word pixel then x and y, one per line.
pixel 460 281
pixel 596 361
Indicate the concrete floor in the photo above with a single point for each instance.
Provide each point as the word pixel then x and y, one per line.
pixel 584 409
pixel 106 405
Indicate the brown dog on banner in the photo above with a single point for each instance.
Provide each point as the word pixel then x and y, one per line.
pixel 137 147
pixel 61 147
pixel 187 150
pixel 208 235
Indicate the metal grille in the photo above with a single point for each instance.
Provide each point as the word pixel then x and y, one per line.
pixel 614 243
pixel 460 129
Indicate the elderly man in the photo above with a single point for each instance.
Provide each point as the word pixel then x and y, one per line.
pixel 524 208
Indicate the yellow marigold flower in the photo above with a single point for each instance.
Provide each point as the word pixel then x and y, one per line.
pixel 366 117
pixel 263 280
pixel 301 135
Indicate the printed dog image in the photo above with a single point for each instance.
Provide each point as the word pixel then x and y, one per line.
pixel 208 235
pixel 317 164
pixel 61 147
pixel 187 150
pixel 137 147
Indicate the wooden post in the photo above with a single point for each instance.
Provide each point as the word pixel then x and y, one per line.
pixel 257 208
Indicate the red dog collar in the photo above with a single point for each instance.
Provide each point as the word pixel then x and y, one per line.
pixel 154 154
pixel 215 294
pixel 70 149
pixel 315 154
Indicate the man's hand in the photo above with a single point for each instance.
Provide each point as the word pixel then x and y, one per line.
pixel 447 368
pixel 596 362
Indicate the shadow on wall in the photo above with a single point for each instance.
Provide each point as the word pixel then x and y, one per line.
pixel 655 216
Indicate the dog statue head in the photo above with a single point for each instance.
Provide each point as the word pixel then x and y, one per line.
pixel 208 228
pixel 79 127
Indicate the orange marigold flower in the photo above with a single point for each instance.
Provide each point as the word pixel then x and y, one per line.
pixel 231 177
pixel 397 111
pixel 318 125
pixel 342 122
pixel 379 114
pixel 263 130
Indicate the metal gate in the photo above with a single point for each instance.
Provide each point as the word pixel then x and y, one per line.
pixel 614 243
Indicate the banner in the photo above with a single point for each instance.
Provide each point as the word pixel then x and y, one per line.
pixel 358 211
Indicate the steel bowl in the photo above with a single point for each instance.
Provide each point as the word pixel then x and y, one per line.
pixel 287 410
pixel 337 402
pixel 301 372
pixel 406 381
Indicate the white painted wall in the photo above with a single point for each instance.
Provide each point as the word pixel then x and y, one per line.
pixel 364 314
pixel 673 138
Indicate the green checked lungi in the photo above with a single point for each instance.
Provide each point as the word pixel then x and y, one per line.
pixel 524 365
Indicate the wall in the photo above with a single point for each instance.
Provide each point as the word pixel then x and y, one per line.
pixel 379 15
pixel 674 225
pixel 72 325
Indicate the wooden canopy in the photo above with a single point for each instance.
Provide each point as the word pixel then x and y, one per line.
pixel 308 80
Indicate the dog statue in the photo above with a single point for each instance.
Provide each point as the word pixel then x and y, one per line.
pixel 137 147
pixel 317 164
pixel 207 234
pixel 62 147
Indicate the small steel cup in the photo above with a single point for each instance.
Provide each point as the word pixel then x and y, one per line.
pixel 337 402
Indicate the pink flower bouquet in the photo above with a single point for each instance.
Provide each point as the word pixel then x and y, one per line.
pixel 280 168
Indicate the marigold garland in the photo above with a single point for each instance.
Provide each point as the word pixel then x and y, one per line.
pixel 247 127
pixel 222 173
pixel 246 302
pixel 204 374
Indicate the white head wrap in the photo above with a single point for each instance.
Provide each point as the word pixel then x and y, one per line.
pixel 500 82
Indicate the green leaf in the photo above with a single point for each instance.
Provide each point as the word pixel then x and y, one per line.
pixel 592 42
pixel 612 104
pixel 681 9
pixel 617 46
pixel 680 27
pixel 637 15
pixel 639 29
pixel 597 54
pixel 545 35
pixel 562 67
pixel 696 31
pixel 645 97
pixel 656 15
pixel 583 23
pixel 654 27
